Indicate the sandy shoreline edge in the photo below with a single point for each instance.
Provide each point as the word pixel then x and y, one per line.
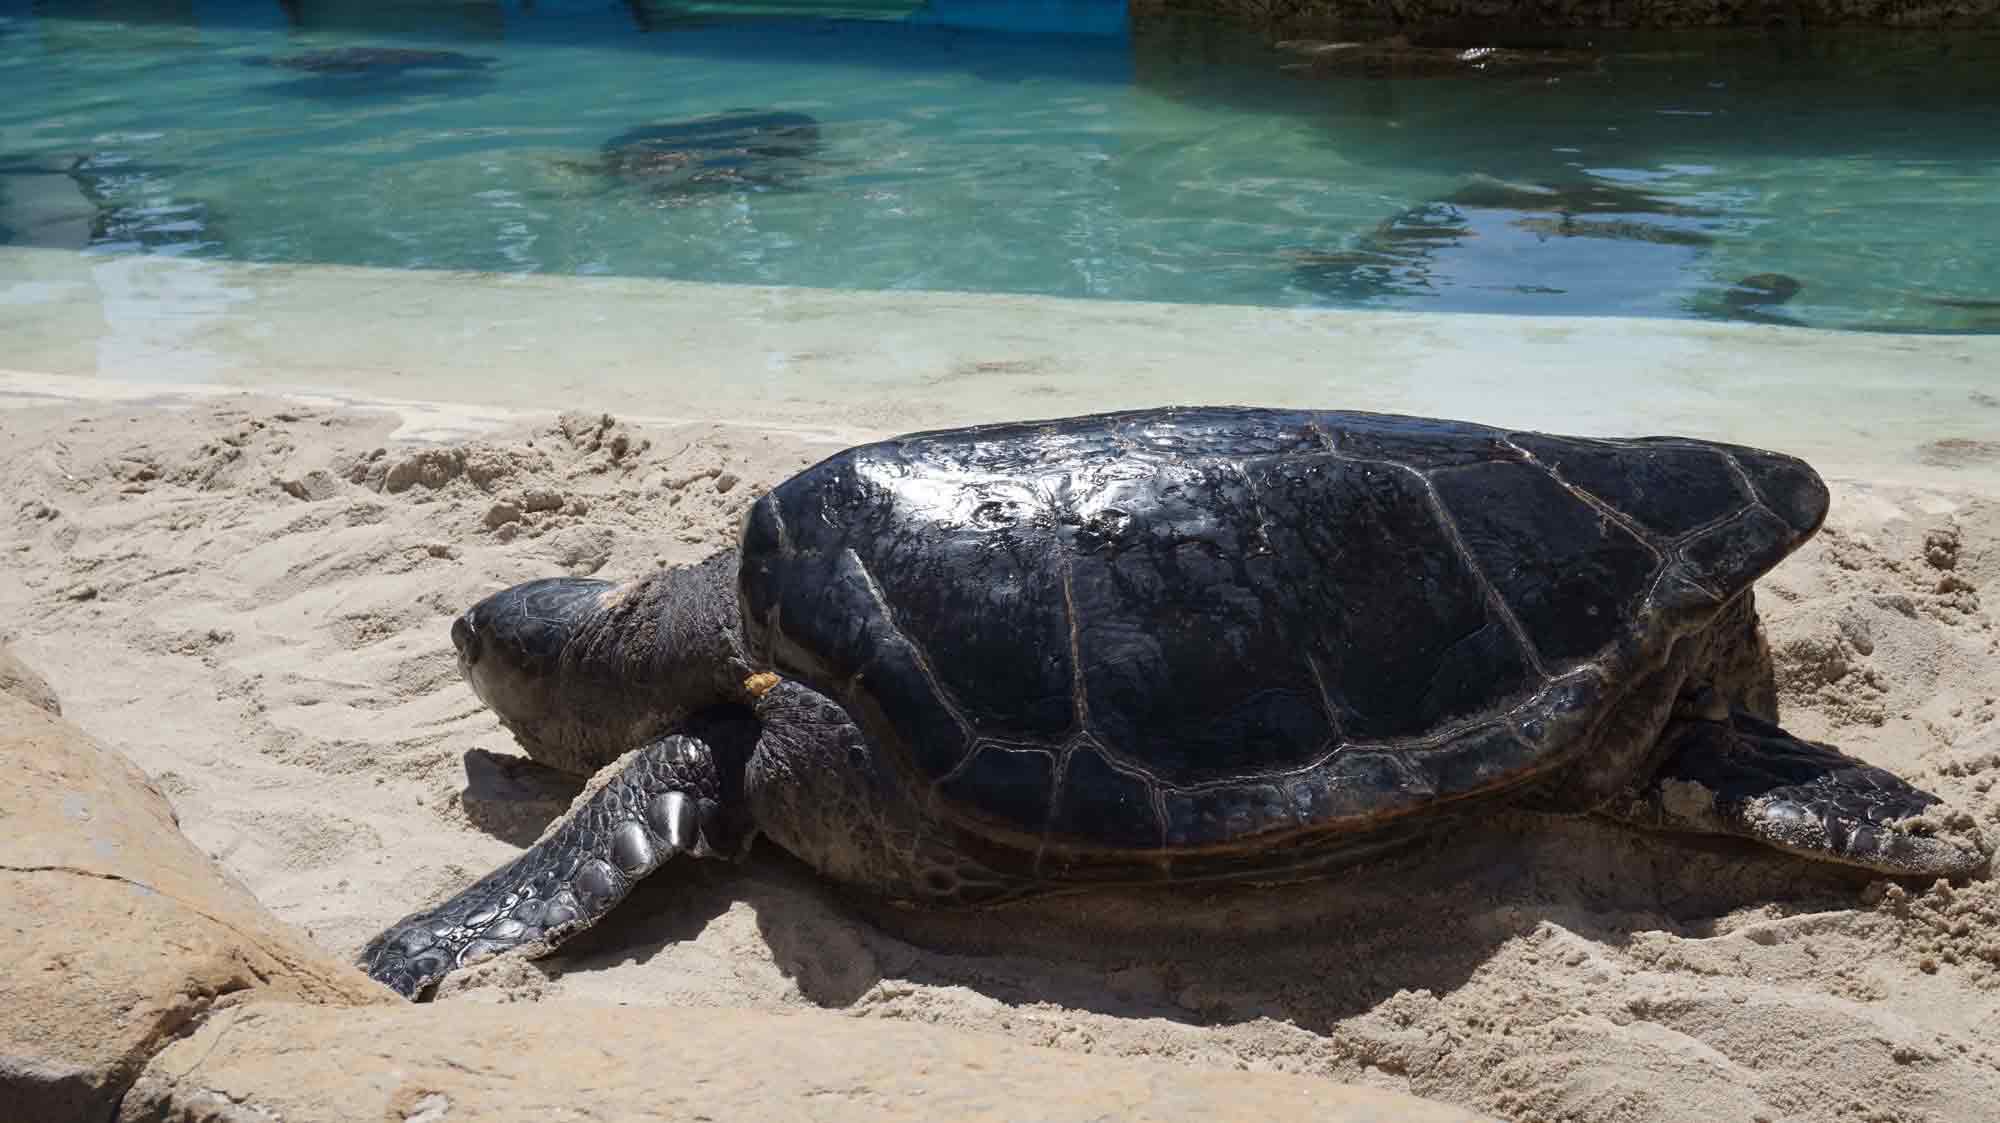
pixel 857 362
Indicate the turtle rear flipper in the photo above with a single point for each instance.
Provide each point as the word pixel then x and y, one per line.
pixel 658 802
pixel 1749 778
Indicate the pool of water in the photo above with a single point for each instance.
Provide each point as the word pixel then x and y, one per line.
pixel 1038 148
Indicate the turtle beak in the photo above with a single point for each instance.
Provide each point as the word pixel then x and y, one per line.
pixel 510 644
pixel 465 637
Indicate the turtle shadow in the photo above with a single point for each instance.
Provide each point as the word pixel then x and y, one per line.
pixel 815 940
pixel 1311 953
pixel 512 797
pixel 672 906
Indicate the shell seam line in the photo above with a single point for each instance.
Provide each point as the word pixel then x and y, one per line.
pixel 916 651
pixel 1486 586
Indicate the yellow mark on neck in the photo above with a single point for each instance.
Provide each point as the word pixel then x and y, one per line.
pixel 760 683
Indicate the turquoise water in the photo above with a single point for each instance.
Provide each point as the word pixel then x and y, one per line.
pixel 960 145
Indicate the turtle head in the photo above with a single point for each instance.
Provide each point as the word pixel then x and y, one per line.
pixel 511 645
pixel 580 671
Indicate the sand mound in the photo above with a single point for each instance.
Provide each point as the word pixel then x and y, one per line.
pixel 251 599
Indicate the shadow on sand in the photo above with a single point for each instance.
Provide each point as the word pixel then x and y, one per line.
pixel 1311 953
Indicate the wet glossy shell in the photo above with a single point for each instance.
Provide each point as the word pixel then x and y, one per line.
pixel 1189 628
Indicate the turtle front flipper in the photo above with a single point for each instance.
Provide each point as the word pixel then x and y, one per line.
pixel 1747 777
pixel 666 799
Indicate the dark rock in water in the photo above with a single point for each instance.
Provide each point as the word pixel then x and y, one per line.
pixel 1761 290
pixel 735 150
pixel 377 60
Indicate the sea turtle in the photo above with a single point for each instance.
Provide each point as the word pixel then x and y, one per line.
pixel 1756 298
pixel 1171 645
pixel 1495 235
pixel 736 150
pixel 1469 239
pixel 1570 197
pixel 371 60
pixel 1455 238
pixel 1762 290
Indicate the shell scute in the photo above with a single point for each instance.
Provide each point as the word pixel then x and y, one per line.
pixel 1101 805
pixel 1667 487
pixel 1572 576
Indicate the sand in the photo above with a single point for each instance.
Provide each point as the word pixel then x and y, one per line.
pixel 250 596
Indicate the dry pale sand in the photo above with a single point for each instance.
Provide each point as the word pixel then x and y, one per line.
pixel 250 597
